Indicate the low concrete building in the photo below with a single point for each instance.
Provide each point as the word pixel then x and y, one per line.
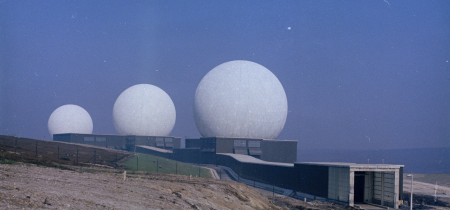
pixel 284 151
pixel 352 183
pixel 344 183
pixel 120 142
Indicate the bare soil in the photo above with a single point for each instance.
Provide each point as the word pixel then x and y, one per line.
pixel 36 174
pixel 38 187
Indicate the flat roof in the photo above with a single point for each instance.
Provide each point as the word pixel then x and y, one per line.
pixel 352 165
pixel 154 148
pixel 250 159
pixel 243 138
pixel 279 140
pixel 96 134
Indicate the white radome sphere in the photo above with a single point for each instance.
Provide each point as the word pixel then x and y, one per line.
pixel 240 99
pixel 144 110
pixel 70 119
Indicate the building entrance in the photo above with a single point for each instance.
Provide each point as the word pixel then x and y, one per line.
pixel 359 188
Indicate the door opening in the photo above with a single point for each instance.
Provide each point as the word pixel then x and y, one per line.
pixel 359 188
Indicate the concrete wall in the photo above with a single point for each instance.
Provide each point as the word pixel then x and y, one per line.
pixel 282 151
pixel 176 143
pixel 339 183
pixel 224 145
pixel 192 143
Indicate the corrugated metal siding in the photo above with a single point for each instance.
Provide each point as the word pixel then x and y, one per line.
pixel 368 187
pixel 389 188
pixel 338 183
pixel 384 188
pixel 377 187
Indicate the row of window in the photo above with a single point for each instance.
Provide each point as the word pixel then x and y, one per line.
pixel 103 139
pixel 167 140
pixel 91 138
pixel 243 143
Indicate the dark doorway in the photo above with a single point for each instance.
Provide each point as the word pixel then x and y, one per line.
pixel 359 188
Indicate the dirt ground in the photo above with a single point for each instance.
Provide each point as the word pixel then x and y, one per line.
pixel 37 187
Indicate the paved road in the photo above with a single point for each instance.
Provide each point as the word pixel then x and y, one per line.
pixel 223 175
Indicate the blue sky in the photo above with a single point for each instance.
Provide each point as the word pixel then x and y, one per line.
pixel 357 74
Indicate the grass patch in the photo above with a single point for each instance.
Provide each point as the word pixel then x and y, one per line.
pixel 6 161
pixel 155 164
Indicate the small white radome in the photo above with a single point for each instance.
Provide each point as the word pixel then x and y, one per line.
pixel 70 119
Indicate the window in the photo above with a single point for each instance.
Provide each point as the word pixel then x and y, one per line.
pixel 88 138
pixel 159 142
pixel 240 143
pixel 100 138
pixel 167 140
pixel 254 144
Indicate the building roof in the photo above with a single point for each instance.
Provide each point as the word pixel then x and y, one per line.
pixel 352 165
pixel 250 159
pixel 96 134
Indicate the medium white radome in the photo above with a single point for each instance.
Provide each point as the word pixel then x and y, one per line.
pixel 70 119
pixel 144 110
pixel 240 99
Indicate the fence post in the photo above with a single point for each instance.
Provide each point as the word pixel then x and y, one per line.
pixel 220 173
pixel 157 166
pixel 36 148
pixel 77 154
pixel 15 145
pixel 95 156
pixel 58 152
pixel 273 190
pixel 115 166
pixel 198 170
pixel 176 167
pixel 137 162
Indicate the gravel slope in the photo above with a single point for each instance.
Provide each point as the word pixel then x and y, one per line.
pixel 33 187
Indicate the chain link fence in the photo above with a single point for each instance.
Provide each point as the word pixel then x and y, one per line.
pixel 42 151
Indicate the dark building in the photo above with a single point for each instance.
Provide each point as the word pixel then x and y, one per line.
pixel 345 183
pixel 284 151
pixel 120 142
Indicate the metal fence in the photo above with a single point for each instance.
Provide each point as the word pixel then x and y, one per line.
pixel 33 150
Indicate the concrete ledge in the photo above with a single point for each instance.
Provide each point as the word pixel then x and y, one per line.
pixel 250 159
pixel 353 166
pixel 154 148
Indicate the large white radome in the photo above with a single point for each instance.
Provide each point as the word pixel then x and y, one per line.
pixel 240 99
pixel 70 119
pixel 144 110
